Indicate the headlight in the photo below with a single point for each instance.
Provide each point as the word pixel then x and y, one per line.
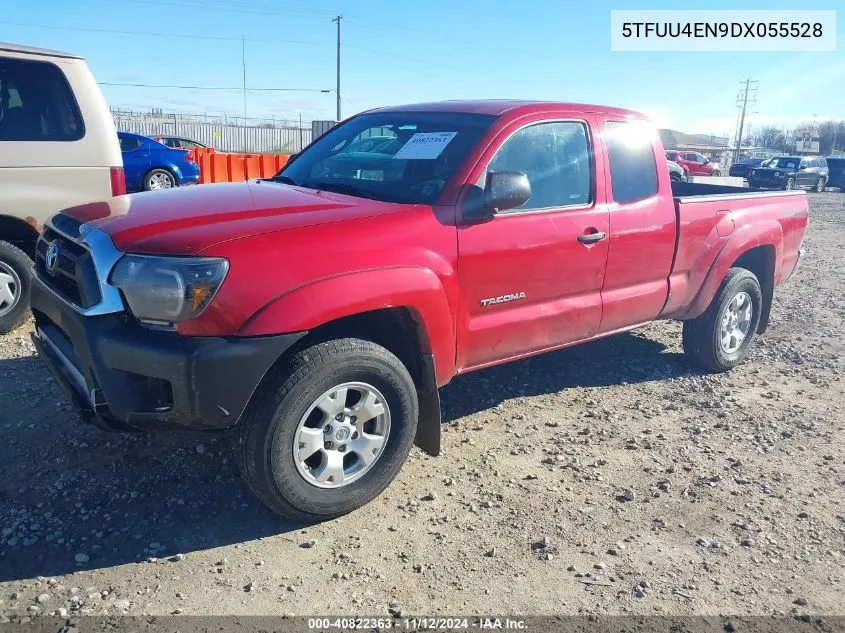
pixel 167 290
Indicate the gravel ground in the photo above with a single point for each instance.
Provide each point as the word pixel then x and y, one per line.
pixel 609 478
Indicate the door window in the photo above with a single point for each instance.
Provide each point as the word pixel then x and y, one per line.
pixel 630 150
pixel 36 103
pixel 556 158
pixel 128 143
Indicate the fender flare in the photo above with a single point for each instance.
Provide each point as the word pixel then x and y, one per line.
pixel 742 240
pixel 322 301
pixel 413 287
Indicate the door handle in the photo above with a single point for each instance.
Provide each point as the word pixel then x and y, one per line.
pixel 592 238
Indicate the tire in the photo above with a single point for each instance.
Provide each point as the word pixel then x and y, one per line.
pixel 674 177
pixel 15 281
pixel 702 336
pixel 819 184
pixel 277 412
pixel 159 179
pixel 789 185
pixel 715 173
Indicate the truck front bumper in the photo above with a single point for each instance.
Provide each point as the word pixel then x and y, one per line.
pixel 123 376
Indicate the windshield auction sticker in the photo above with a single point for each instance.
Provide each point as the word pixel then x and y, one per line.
pixel 711 30
pixel 425 145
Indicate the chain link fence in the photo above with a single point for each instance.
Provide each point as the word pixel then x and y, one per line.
pixel 222 132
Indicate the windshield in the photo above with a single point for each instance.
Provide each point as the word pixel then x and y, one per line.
pixel 394 156
pixel 784 162
pixel 751 161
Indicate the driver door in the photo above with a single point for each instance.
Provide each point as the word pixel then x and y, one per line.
pixel 806 176
pixel 531 277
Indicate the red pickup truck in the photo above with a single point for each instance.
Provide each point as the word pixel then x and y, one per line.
pixel 319 311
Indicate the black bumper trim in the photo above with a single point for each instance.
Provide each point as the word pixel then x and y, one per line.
pixel 207 382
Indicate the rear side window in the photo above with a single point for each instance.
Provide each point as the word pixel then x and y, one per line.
pixel 633 173
pixel 128 143
pixel 36 103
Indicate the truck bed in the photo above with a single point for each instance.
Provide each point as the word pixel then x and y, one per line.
pixel 695 191
pixel 712 220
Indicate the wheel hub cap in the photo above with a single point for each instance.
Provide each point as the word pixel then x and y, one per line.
pixel 342 435
pixel 735 323
pixel 9 288
pixel 160 181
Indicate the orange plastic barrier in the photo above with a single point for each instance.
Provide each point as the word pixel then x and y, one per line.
pixel 220 167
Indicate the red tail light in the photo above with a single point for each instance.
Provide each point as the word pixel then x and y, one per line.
pixel 118 181
pixel 189 158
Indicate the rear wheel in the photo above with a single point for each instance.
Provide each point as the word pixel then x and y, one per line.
pixel 159 179
pixel 15 276
pixel 719 339
pixel 716 173
pixel 329 431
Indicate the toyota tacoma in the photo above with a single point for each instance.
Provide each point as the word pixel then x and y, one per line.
pixel 320 310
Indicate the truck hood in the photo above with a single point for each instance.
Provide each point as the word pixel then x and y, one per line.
pixel 186 221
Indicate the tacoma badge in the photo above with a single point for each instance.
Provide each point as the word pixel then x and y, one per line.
pixel 503 299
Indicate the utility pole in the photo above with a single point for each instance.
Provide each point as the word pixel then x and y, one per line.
pixel 243 62
pixel 338 19
pixel 744 98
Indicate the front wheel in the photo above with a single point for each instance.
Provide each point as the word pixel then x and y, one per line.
pixel 328 431
pixel 719 339
pixel 715 173
pixel 789 185
pixel 820 185
pixel 15 276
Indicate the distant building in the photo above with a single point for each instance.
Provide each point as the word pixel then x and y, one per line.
pixel 716 148
pixel 702 143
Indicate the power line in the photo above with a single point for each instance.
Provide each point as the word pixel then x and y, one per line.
pixel 415 59
pixel 131 85
pixel 152 34
pixel 230 7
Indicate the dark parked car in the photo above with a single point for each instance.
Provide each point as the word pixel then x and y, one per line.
pixel 790 172
pixel 150 165
pixel 745 165
pixel 836 165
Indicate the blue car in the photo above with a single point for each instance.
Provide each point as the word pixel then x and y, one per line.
pixel 150 165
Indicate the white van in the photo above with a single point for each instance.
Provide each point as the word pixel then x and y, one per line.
pixel 58 148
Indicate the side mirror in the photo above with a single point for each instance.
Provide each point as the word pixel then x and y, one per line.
pixel 505 190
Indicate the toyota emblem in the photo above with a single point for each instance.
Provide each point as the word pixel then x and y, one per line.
pixel 51 258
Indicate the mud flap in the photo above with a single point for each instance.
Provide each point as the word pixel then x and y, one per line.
pixel 428 424
pixel 767 289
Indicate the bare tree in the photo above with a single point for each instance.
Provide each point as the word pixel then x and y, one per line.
pixel 771 137
pixel 831 136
